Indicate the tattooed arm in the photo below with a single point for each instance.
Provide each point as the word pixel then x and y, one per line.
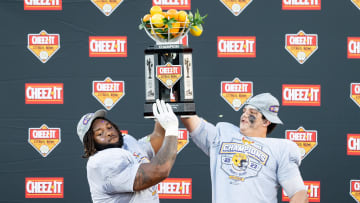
pixel 149 174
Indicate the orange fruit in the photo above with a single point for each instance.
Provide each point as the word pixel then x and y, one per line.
pixel 175 28
pixel 146 17
pixel 157 20
pixel 172 13
pixel 155 9
pixel 196 31
pixel 182 15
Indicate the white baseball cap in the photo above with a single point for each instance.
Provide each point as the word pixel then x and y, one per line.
pixel 268 106
pixel 85 122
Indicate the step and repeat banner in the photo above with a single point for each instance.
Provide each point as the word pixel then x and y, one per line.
pixel 61 59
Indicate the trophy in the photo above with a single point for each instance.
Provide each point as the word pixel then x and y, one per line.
pixel 168 64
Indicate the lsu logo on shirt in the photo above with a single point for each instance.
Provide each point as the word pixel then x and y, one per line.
pixel 43 45
pixel 356 3
pixel 108 92
pixel 353 47
pixel 175 188
pixel 301 4
pixel 313 191
pixel 44 139
pixel 301 45
pixel 236 6
pixel 173 4
pixel 103 46
pixel 355 93
pixel 107 6
pixel 44 93
pixel 242 159
pixel 355 190
pixel 50 187
pixel 353 144
pixel 305 139
pixel 301 95
pixel 236 46
pixel 42 4
pixel 236 92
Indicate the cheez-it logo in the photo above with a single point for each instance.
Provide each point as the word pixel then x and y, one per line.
pixel 43 45
pixel 301 4
pixel 102 46
pixel 353 47
pixel 42 4
pixel 355 190
pixel 353 144
pixel 301 95
pixel 173 4
pixel 44 93
pixel 175 188
pixel 236 46
pixel 49 187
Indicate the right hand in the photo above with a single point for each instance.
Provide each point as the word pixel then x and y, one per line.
pixel 166 117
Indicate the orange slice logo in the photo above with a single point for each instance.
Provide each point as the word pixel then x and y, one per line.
pixel 301 45
pixel 43 45
pixel 107 6
pixel 108 92
pixel 236 6
pixel 44 139
pixel 236 92
pixel 356 3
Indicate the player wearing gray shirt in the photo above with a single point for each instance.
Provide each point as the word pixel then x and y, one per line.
pixel 121 169
pixel 245 165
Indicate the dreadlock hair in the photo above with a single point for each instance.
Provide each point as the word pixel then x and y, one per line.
pixel 89 142
pixel 270 127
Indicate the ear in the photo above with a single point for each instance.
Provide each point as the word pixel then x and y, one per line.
pixel 266 123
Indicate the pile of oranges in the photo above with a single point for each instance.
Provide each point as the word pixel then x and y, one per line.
pixel 170 25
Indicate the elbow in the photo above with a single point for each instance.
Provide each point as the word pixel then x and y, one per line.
pixel 163 172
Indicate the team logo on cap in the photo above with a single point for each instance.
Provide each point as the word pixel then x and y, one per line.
pixel 42 4
pixel 168 74
pixel 301 5
pixel 274 109
pixel 173 4
pixel 44 93
pixel 43 45
pixel 236 6
pixel 50 187
pixel 44 139
pixel 183 139
pixel 353 47
pixel 301 45
pixel 355 190
pixel 107 6
pixel 236 92
pixel 353 144
pixel 108 92
pixel 175 188
pixel 355 93
pixel 301 95
pixel 244 47
pixel 105 46
pixel 356 3
pixel 305 139
pixel 313 191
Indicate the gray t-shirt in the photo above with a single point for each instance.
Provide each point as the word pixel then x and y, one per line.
pixel 111 173
pixel 247 169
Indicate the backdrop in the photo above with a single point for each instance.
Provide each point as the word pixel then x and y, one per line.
pixel 335 118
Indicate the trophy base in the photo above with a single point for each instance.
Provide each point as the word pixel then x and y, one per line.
pixel 178 108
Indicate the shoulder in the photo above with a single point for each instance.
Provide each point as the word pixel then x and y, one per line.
pixel 109 156
pixel 226 125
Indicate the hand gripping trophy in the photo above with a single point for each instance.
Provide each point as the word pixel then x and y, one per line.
pixel 168 64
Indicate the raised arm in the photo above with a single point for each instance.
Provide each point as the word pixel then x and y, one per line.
pixel 159 168
pixel 191 123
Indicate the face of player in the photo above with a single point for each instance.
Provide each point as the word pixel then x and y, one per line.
pixel 252 123
pixel 105 133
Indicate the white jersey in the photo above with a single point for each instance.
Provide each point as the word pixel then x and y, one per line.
pixel 111 173
pixel 247 169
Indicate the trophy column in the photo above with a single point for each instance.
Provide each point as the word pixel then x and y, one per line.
pixel 169 76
